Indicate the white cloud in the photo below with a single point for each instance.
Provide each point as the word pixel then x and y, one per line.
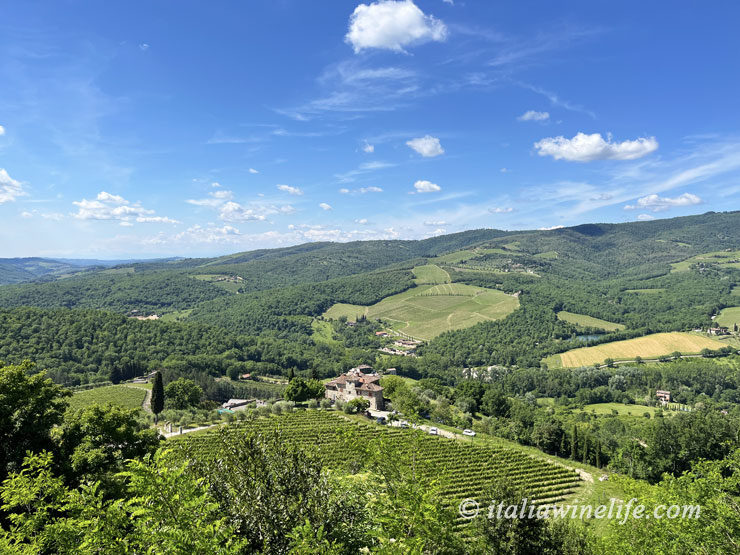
pixel 126 224
pixel 252 170
pixel 290 190
pixel 550 228
pixel 371 189
pixel 143 47
pixel 427 146
pixel 436 223
pixel 344 191
pixel 325 206
pixel 10 189
pixel 114 207
pixel 367 147
pixel 216 184
pixel 659 204
pixel 505 170
pixel 26 214
pixel 500 210
pixel 531 115
pixel 217 198
pixel 235 212
pixel 423 186
pixel 586 148
pixel 645 217
pixel 2 130
pixel 362 221
pixel 392 25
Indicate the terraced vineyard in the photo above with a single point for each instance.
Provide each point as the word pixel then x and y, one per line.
pixel 463 469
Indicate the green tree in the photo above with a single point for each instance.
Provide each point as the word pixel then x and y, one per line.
pixel 495 403
pixel 182 394
pixel 30 406
pixel 357 405
pixel 300 390
pixel 115 374
pixel 157 400
pixel 95 442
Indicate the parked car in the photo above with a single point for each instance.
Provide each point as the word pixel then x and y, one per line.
pixel 403 424
pixel 433 431
pixel 470 433
pixel 380 420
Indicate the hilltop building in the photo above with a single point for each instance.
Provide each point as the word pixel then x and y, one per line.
pixel 357 383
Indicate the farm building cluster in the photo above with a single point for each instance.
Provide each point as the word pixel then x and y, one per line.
pixel 360 382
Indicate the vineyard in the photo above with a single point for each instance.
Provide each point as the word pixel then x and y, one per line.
pixel 462 469
pixel 121 395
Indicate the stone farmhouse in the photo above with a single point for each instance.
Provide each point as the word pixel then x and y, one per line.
pixel 357 384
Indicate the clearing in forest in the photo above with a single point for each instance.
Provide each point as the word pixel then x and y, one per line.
pixel 648 347
pixel 126 396
pixel 729 317
pixel 588 321
pixel 428 310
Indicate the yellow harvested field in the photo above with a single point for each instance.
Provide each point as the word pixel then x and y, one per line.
pixel 649 346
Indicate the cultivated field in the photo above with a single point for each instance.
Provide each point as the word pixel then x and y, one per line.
pixel 122 395
pixel 729 317
pixel 428 310
pixel 431 273
pixel 722 259
pixel 647 347
pixel 588 321
pixel 460 469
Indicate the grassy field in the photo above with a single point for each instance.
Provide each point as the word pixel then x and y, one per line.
pixel 588 321
pixel 735 291
pixel 647 347
pixel 601 409
pixel 322 331
pixel 729 317
pixel 129 397
pixel 177 316
pixel 722 259
pixel 230 286
pixel 431 273
pixel 646 291
pixel 428 310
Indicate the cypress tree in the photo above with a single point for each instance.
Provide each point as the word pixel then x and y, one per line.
pixel 291 374
pixel 115 375
pixel 157 402
pixel 574 443
pixel 585 449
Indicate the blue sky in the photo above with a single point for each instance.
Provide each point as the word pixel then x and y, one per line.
pixel 192 128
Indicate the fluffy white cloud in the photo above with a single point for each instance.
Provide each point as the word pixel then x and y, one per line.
pixel 344 191
pixel 500 210
pixel 143 47
pixel 586 148
pixel 659 204
pixel 290 190
pixel 392 25
pixel 216 198
pixel 427 146
pixel 252 170
pixel 371 189
pixel 325 206
pixel 114 207
pixel 2 130
pixel 531 115
pixel 367 147
pixel 423 186
pixel 234 212
pixel 10 189
pixel 645 217
pixel 362 221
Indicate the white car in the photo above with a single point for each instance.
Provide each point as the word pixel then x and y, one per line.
pixel 433 431
pixel 470 433
pixel 403 424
